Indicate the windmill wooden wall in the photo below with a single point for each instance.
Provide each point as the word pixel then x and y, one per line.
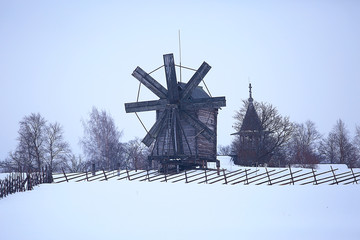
pixel 195 145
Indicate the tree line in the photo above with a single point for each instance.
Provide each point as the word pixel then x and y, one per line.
pixel 41 144
pixel 287 142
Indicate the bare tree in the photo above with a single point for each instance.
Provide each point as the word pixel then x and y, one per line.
pixel 224 150
pixel 277 129
pixel 39 145
pixel 337 147
pixel 76 164
pixel 356 143
pixel 101 141
pixel 136 155
pixel 328 149
pixel 13 163
pixel 304 144
pixel 57 150
pixel 31 141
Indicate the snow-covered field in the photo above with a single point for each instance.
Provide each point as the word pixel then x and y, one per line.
pixel 155 210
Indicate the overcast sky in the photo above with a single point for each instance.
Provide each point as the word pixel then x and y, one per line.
pixel 60 58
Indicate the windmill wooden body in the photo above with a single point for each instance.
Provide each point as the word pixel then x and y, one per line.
pixel 185 130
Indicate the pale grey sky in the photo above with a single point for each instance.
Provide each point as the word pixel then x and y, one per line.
pixel 60 58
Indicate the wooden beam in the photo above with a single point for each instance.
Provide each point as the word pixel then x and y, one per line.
pixel 155 129
pixel 145 106
pixel 195 80
pixel 199 126
pixel 201 103
pixel 170 74
pixel 150 83
pixel 179 133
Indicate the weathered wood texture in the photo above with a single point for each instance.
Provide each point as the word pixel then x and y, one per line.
pixel 185 127
pixel 145 106
pixel 195 80
pixel 195 144
pixel 20 182
pixel 201 103
pixel 150 83
pixel 156 129
pixel 170 74
pixel 207 147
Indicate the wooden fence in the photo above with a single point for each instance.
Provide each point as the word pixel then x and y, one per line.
pixel 245 176
pixel 20 182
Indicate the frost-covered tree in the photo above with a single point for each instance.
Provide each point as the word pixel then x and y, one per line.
pixel 57 150
pixel 101 141
pixel 31 141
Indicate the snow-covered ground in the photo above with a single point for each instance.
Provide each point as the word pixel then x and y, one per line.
pixel 154 210
pixel 227 163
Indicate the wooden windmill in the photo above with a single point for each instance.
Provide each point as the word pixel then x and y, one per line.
pixel 184 133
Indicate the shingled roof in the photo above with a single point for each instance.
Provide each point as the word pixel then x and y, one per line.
pixel 251 120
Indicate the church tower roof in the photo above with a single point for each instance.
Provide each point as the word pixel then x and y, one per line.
pixel 251 120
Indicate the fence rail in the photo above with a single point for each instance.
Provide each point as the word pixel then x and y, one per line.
pixel 244 176
pixel 20 182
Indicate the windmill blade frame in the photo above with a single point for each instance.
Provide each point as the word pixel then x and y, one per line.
pixel 184 133
pixel 145 106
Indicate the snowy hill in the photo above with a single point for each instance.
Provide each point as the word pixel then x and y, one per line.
pixel 157 210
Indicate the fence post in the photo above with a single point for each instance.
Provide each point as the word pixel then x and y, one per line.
pixel 10 184
pixel 147 173
pixel 333 172
pixel 354 176
pixel 93 169
pixel 291 175
pixel 205 177
pixel 65 175
pixel 316 183
pixel 247 180
pixel 224 176
pixel 51 179
pixel 186 180
pixel 267 173
pixel 218 167
pixel 43 175
pixel 104 174
pixel 28 181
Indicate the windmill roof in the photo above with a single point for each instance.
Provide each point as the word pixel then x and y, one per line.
pixel 198 92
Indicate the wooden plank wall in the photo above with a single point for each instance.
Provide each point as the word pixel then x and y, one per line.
pixel 200 147
pixel 205 147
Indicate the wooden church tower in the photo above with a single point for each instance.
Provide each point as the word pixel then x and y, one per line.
pixel 251 137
